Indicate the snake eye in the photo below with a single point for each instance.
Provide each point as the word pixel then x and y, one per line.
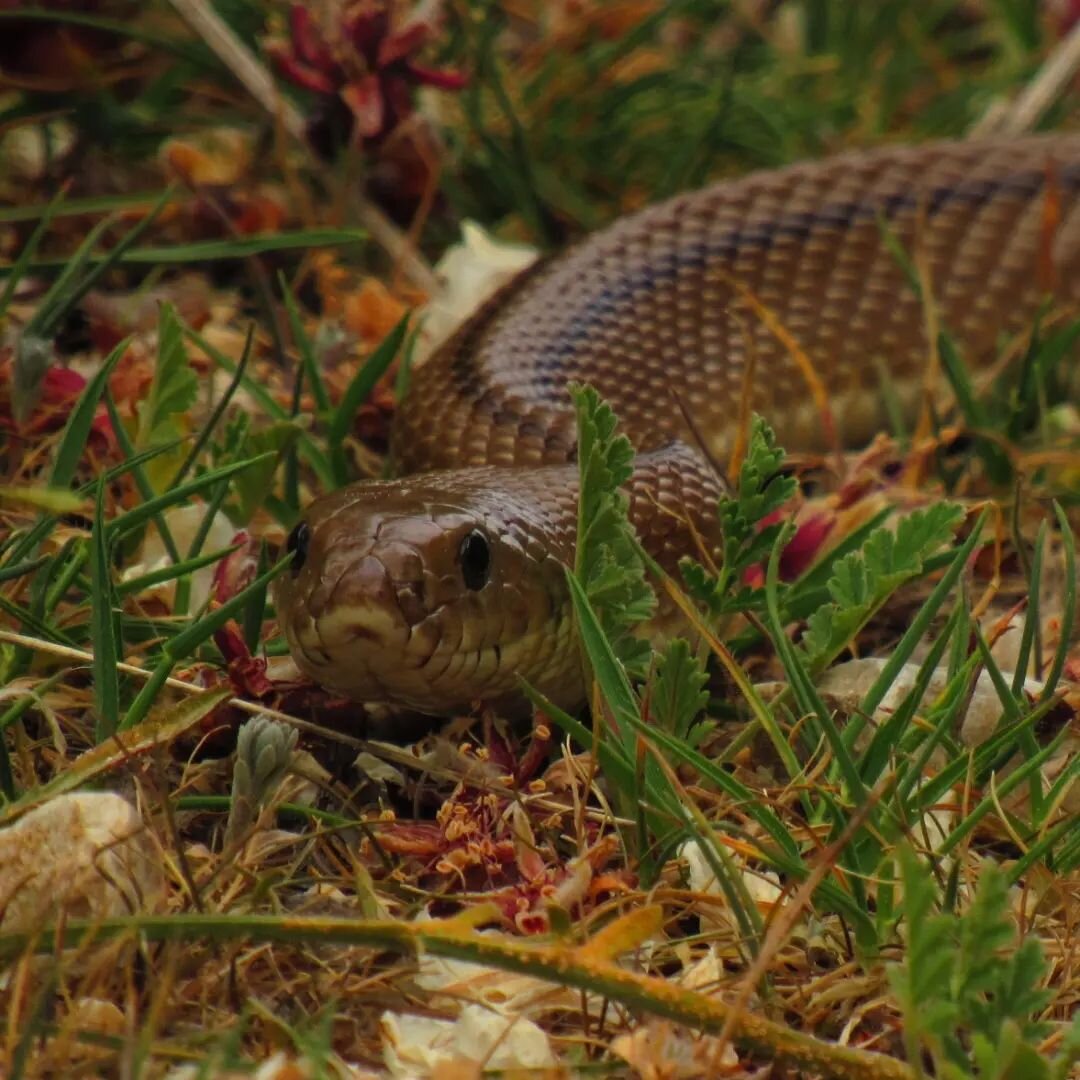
pixel 475 556
pixel 297 546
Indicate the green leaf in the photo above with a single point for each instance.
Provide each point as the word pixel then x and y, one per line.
pixel 610 673
pixel 54 500
pixel 928 962
pixel 21 569
pixel 678 692
pixel 173 393
pixel 34 348
pixel 191 638
pixel 801 681
pixel 647 796
pixel 18 268
pixel 133 586
pixel 139 474
pixel 309 363
pixel 311 452
pixel 255 612
pixel 761 491
pixel 996 461
pixel 270 444
pixel 971 993
pixel 160 733
pixel 607 562
pixel 244 247
pixel 358 391
pixel 864 580
pixel 1025 1063
pixel 143 512
pixel 1070 1051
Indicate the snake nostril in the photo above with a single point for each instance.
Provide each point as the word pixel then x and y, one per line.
pixel 297 546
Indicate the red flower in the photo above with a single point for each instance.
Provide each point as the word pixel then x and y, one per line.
pixel 1067 13
pixel 801 550
pixel 60 390
pixel 362 62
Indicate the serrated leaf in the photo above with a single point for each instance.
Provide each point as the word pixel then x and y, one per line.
pixel 971 993
pixel 702 586
pixel 761 491
pixel 863 580
pixel 251 487
pixel 678 691
pixel 607 561
pixel 1070 1051
pixel 1025 1063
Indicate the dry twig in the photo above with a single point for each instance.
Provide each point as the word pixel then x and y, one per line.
pixel 1040 93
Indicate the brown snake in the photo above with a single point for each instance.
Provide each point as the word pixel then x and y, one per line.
pixel 444 588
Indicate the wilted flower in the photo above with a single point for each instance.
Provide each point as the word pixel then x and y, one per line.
pixel 357 57
pixel 60 389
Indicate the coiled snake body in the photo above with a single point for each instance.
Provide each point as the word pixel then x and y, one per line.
pixel 443 588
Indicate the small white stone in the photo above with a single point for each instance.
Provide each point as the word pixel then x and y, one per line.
pixel 87 854
pixel 418 1045
pixel 471 272
pixel 183 523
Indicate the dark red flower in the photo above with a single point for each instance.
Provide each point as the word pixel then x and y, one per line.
pixel 60 390
pixel 801 550
pixel 363 63
pixel 1067 13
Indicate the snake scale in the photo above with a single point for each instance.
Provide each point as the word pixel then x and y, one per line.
pixel 443 588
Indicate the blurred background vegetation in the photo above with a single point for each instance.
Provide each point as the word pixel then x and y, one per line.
pixel 542 119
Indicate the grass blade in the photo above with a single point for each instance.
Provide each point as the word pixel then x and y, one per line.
pixel 358 391
pixel 915 632
pixel 77 430
pixel 243 247
pixel 18 267
pixel 188 640
pixel 102 597
pixel 1068 613
pixel 145 511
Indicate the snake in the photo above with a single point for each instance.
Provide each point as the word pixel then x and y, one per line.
pixel 788 292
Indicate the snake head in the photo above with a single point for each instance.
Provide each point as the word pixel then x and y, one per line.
pixel 436 593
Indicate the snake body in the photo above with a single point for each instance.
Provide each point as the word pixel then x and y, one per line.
pixel 445 587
